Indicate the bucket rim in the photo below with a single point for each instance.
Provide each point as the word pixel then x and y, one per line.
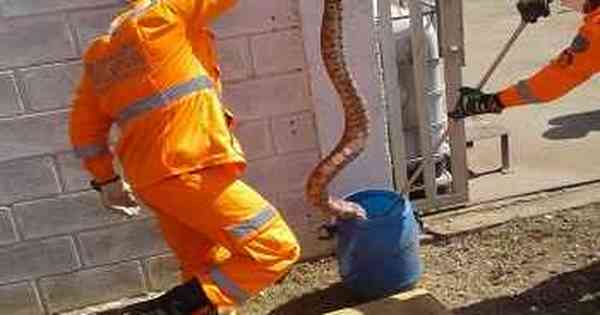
pixel 376 191
pixel 370 223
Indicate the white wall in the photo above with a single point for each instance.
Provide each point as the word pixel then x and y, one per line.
pixel 372 169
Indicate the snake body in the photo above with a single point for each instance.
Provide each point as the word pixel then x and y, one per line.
pixel 356 120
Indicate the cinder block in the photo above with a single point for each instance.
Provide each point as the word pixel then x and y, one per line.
pixel 10 8
pixel 19 299
pixel 305 221
pixel 128 241
pixel 8 234
pixel 90 24
pixel 278 52
pixel 65 214
pixel 164 272
pixel 72 172
pixel 34 135
pixel 254 16
pixel 30 260
pixel 296 209
pixel 92 286
pixel 234 58
pixel 26 179
pixel 282 173
pixel 52 86
pixel 416 301
pixel 295 133
pixel 255 138
pixel 272 96
pixel 10 102
pixel 34 40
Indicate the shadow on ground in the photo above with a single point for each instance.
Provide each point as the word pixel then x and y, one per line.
pixel 330 299
pixel 573 293
pixel 573 126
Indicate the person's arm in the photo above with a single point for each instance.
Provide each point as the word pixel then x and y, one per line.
pixel 212 9
pixel 89 129
pixel 205 10
pixel 575 65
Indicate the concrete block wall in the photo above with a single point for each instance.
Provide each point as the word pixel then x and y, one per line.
pixel 59 249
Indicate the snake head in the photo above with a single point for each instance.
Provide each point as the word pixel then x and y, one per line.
pixel 346 210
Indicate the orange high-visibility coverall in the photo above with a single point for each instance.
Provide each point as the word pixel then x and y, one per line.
pixel 575 65
pixel 156 76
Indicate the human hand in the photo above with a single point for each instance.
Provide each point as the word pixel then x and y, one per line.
pixel 117 196
pixel 474 102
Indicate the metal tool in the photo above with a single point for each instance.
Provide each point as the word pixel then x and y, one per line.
pixel 502 54
pixel 481 84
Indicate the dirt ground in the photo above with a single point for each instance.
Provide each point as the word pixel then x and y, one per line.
pixel 542 265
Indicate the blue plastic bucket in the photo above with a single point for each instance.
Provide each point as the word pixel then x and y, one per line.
pixel 379 256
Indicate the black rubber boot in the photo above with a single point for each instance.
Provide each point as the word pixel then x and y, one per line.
pixel 181 300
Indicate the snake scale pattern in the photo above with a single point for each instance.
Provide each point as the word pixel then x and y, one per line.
pixel 356 120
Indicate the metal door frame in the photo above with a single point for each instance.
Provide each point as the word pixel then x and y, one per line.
pixel 451 37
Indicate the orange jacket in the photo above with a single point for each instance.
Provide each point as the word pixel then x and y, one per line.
pixel 575 65
pixel 156 76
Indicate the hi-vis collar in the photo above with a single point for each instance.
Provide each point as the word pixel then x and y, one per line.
pixel 136 8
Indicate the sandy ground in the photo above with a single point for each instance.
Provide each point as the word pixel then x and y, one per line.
pixel 548 264
pixel 541 265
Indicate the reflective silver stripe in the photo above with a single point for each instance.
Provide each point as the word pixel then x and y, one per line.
pixel 524 91
pixel 228 286
pixel 92 150
pixel 164 98
pixel 245 228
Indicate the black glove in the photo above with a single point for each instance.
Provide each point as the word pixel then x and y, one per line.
pixel 531 10
pixel 474 102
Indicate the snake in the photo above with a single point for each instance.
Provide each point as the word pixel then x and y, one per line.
pixel 356 119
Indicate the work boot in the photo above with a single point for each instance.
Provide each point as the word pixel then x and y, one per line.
pixel 184 299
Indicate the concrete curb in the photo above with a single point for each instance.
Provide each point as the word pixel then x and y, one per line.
pixel 485 216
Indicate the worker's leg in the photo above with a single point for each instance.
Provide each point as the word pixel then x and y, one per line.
pixel 216 207
pixel 192 249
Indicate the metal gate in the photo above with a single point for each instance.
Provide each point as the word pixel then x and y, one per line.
pixel 448 16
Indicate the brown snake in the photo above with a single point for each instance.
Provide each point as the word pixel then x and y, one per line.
pixel 356 120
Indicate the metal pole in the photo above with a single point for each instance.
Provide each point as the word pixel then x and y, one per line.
pixel 481 84
pixel 502 54
pixel 419 57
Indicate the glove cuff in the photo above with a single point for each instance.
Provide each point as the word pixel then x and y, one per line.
pixel 98 186
pixel 498 105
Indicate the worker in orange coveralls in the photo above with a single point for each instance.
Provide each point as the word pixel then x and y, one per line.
pixel 155 74
pixel 575 65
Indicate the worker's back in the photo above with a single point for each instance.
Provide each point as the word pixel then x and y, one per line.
pixel 156 75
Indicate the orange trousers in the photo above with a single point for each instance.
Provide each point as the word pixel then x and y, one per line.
pixel 223 233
